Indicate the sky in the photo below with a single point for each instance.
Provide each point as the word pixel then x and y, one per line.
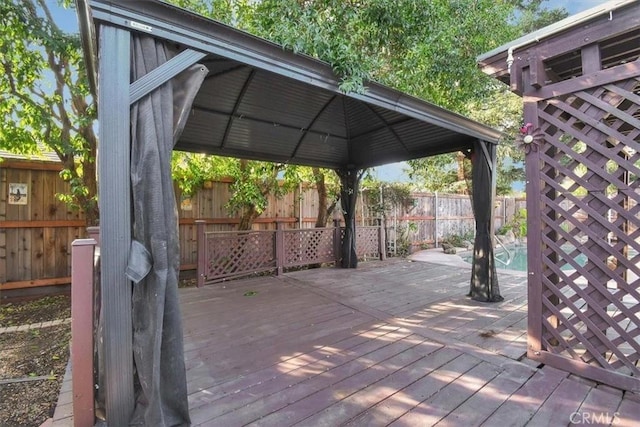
pixel 66 19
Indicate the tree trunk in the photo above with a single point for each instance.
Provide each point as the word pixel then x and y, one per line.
pixel 460 161
pixel 249 215
pixel 321 187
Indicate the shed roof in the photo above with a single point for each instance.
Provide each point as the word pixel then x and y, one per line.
pixel 43 156
pixel 260 101
pixel 607 23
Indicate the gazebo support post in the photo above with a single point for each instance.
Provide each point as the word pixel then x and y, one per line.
pixel 484 279
pixel 349 183
pixel 115 222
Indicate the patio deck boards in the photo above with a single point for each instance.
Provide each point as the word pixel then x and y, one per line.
pixel 391 343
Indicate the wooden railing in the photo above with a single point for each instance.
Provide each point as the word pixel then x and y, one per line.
pixel 228 254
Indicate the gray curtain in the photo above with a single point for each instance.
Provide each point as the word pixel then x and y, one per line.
pixel 349 183
pixel 156 122
pixel 484 280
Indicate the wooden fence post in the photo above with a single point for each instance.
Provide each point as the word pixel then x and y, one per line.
pixel 82 265
pixel 382 244
pixel 94 233
pixel 202 251
pixel 279 248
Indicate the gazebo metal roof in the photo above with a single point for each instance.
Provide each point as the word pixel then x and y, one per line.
pixel 260 101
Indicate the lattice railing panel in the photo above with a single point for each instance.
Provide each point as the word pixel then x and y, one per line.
pixel 589 216
pixel 309 246
pixel 367 242
pixel 237 253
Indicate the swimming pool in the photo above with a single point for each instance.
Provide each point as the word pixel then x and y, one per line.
pixel 518 255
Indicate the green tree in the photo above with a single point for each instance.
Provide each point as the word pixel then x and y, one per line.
pixel 253 181
pixel 533 15
pixel 492 104
pixel 327 185
pixel 45 102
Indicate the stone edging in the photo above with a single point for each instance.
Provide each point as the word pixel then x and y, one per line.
pixel 21 328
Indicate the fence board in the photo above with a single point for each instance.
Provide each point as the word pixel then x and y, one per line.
pixel 35 239
pixel 37 252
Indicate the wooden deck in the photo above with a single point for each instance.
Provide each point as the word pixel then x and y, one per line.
pixel 391 343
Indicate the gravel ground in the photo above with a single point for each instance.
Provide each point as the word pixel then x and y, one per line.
pixel 32 362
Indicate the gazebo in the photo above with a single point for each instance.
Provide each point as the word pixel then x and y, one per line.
pixel 167 78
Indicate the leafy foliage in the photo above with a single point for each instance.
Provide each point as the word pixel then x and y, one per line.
pixel 394 195
pixel 534 15
pixel 45 103
pixel 436 173
pixel 253 181
pixel 518 225
pixel 494 105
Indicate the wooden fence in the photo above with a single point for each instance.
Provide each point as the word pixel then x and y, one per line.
pixel 36 229
pixel 36 233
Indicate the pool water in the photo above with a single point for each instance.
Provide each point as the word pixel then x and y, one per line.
pixel 519 258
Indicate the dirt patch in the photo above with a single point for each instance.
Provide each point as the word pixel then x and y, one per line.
pixel 32 362
pixel 27 400
pixel 35 310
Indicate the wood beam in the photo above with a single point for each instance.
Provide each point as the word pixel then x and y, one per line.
pixel 601 78
pixel 605 27
pixel 35 283
pixel 537 74
pixel 591 61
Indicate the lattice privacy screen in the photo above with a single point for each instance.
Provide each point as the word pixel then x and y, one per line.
pixel 586 162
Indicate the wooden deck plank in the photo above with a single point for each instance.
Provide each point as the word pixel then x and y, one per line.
pixel 244 330
pixel 598 402
pixel 408 398
pixel 484 402
pixel 627 414
pixel 524 403
pixel 432 410
pixel 559 407
pixel 336 354
pixel 351 406
pixel 322 391
pixel 389 342
pixel 486 322
pixel 242 359
pixel 294 388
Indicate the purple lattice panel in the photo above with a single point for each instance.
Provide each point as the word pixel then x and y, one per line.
pixel 239 253
pixel 367 244
pixel 308 246
pixel 590 212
